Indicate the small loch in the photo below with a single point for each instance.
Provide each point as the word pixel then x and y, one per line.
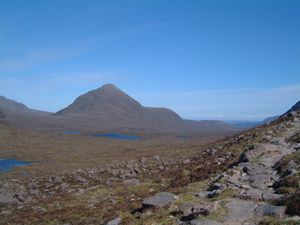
pixel 119 136
pixel 8 164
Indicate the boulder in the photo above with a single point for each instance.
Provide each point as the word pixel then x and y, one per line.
pixel 256 151
pixel 252 194
pixel 261 181
pixel 214 193
pixel 254 169
pixel 116 221
pixel 80 179
pixel 159 200
pixel 56 179
pixel 204 222
pixel 292 165
pixel 132 181
pixel 271 197
pixel 156 157
pixel 186 161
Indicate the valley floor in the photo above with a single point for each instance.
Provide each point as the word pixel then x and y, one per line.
pixel 250 178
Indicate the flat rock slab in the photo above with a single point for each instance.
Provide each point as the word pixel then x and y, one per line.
pixel 204 222
pixel 239 210
pixel 270 210
pixel 5 198
pixel 160 200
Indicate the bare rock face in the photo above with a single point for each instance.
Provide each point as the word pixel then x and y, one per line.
pixel 270 210
pixel 256 151
pixel 240 210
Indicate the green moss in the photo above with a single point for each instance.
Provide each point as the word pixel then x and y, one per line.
pixel 227 193
pixel 220 213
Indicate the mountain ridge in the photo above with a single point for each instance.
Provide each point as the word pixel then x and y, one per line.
pixel 110 109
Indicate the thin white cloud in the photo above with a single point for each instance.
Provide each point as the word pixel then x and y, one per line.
pixel 36 57
pixel 22 61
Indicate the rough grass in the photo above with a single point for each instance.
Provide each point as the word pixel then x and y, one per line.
pixel 55 153
pixel 276 221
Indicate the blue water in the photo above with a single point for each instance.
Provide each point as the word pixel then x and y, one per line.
pixel 8 164
pixel 118 136
pixel 72 132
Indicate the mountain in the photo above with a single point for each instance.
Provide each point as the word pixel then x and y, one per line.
pixel 295 107
pixel 8 104
pixel 113 109
pixel 108 109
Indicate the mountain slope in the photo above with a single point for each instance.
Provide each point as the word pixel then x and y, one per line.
pixel 295 107
pixel 8 104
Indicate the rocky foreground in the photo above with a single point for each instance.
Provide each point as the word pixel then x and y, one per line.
pixel 250 178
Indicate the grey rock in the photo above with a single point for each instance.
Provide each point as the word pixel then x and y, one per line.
pixel 239 210
pixel 56 179
pixel 20 196
pixel 160 200
pixel 116 221
pixel 5 198
pixel 252 194
pixel 262 181
pixel 132 181
pixel 186 161
pixel 270 210
pixel 191 208
pixel 203 222
pixel 156 157
pixel 258 150
pixel 269 196
pixel 80 179
pixel 217 186
pixel 213 193
pixel 6 212
pixel 292 165
pixel 254 169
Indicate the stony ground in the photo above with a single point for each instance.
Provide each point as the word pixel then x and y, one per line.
pixel 250 178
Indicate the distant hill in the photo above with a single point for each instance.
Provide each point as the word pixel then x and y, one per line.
pixel 109 109
pixel 114 109
pixel 8 104
pixel 270 119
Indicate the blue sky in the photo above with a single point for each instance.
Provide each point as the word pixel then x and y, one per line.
pixel 205 59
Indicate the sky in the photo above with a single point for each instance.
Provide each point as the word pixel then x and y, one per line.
pixel 205 59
